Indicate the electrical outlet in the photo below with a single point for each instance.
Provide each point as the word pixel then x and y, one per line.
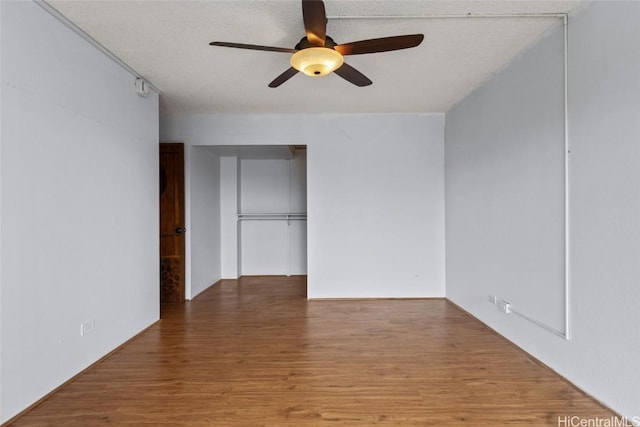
pixel 87 327
pixel 504 306
pixel 493 299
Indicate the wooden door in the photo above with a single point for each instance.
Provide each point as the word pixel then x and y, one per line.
pixel 172 259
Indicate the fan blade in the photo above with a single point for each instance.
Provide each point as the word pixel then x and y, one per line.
pixel 315 21
pixel 253 47
pixel 352 75
pixel 383 44
pixel 283 77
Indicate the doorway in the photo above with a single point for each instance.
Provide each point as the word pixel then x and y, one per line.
pixel 172 220
pixel 260 206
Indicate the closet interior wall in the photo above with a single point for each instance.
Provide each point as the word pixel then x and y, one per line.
pixel 272 229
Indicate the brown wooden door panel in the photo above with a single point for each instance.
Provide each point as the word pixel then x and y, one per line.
pixel 170 247
pixel 172 254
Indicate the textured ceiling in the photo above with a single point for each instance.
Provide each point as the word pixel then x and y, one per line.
pixel 168 43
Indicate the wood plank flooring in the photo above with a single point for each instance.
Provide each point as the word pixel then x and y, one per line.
pixel 255 352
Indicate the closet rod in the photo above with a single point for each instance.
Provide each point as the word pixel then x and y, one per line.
pixel 272 216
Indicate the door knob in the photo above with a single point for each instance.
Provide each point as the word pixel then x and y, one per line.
pixel 180 230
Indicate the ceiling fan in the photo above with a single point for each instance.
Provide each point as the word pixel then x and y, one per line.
pixel 318 54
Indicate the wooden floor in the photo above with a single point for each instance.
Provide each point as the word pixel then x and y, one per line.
pixel 255 352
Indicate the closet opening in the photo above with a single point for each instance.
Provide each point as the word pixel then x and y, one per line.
pixel 262 208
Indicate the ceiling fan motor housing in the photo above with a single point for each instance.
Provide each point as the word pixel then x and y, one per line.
pixel 316 61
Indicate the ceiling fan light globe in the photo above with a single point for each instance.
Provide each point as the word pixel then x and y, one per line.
pixel 316 61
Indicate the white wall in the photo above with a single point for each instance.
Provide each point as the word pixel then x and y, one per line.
pixel 264 188
pixel 505 185
pixel 274 246
pixel 604 177
pixel 229 209
pixel 375 194
pixel 376 208
pixel 205 220
pixel 264 185
pixel 79 230
pixel 298 204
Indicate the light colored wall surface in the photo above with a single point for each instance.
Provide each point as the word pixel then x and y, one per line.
pixel 264 186
pixel 375 194
pixel 297 204
pixel 273 247
pixel 298 182
pixel 604 176
pixel 264 248
pixel 205 220
pixel 505 186
pixel 79 230
pixel 376 208
pixel 229 209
